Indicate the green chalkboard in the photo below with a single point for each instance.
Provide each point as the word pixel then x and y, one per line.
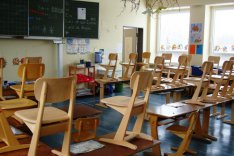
pixel 14 17
pixel 81 19
pixel 46 18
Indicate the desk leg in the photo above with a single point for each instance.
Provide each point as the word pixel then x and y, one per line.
pixel 232 116
pixel 201 131
pixel 101 96
pixel 156 151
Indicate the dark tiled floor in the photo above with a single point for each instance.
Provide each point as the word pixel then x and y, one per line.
pixel 110 120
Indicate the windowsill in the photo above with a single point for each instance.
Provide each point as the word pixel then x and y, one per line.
pixel 223 53
pixel 173 51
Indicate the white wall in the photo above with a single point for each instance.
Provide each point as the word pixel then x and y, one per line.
pixel 12 48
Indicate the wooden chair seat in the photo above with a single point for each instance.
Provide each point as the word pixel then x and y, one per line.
pixel 123 101
pixel 17 103
pixel 51 115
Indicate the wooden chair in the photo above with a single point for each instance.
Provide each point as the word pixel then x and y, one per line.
pixel 167 63
pixel 131 106
pixel 215 60
pixel 157 71
pixel 31 60
pixel 86 129
pixel 7 109
pixel 49 120
pixel 180 70
pixel 131 64
pixel 189 68
pixel 28 72
pixel 1 78
pixel 145 60
pixel 113 57
pixel 220 80
pixel 203 82
pixel 167 59
pixel 186 134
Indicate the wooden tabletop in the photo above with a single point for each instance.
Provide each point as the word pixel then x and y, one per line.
pixel 117 80
pixel 169 87
pixel 43 149
pixel 82 111
pixel 174 109
pixel 115 150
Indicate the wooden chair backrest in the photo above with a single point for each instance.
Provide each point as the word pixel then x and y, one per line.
pixel 158 62
pixel 140 81
pixel 146 57
pixel 31 60
pixel 215 60
pixel 56 89
pixel 182 60
pixel 132 57
pixel 167 58
pixel 113 57
pixel 227 66
pixel 189 58
pixel 207 68
pixel 143 77
pixel 31 72
pixel 231 58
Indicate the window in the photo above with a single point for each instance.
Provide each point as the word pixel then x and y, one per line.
pixel 222 26
pixel 174 30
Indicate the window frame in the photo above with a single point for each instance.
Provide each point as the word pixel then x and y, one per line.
pixel 175 10
pixel 212 29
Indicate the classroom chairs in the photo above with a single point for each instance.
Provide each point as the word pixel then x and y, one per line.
pixel 220 80
pixel 201 83
pixel 131 64
pixel 46 120
pixel 185 133
pixel 111 66
pixel 28 72
pixel 215 60
pixel 131 106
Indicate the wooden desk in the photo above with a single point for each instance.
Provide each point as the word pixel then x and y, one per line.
pixel 102 88
pixel 178 109
pixel 43 149
pixel 115 150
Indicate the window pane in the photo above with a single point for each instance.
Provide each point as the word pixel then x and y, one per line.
pixel 223 25
pixel 174 30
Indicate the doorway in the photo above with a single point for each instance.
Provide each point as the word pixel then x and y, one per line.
pixel 132 42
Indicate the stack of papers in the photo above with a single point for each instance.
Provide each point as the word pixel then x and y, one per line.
pixel 84 147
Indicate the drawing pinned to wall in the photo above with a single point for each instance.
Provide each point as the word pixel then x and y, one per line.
pixel 196 33
pixel 81 13
pixel 77 46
